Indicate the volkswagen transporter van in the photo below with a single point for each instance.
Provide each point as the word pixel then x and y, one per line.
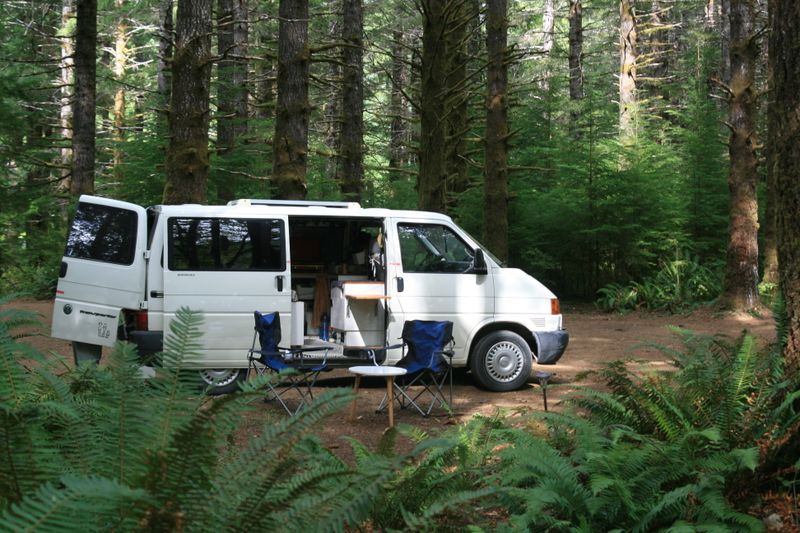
pixel 340 275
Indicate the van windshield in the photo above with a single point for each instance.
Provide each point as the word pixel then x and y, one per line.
pixel 103 233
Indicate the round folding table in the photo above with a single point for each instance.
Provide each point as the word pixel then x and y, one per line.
pixel 388 372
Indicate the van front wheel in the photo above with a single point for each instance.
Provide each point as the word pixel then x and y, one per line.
pixel 216 381
pixel 501 361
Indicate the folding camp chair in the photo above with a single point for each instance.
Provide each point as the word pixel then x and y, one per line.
pixel 427 356
pixel 296 372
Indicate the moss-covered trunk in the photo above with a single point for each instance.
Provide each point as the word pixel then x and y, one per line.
pixel 628 102
pixel 785 60
pixel 351 170
pixel 741 273
pixel 290 144
pixel 187 151
pixel 232 32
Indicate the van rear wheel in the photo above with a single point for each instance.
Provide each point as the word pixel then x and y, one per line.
pixel 501 361
pixel 216 381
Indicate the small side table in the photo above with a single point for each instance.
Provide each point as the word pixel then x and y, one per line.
pixel 388 372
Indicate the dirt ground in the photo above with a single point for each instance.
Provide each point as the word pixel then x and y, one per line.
pixel 595 338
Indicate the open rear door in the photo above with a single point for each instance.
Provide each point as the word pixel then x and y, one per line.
pixel 102 271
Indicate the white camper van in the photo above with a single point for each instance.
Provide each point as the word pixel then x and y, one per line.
pixel 334 270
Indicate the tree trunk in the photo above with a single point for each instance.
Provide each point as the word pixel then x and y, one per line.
pixel 83 122
pixel 458 99
pixel 120 65
pixel 576 92
pixel 432 180
pixel 711 15
pixel 398 130
pixel 165 39
pixel 352 134
pixel 548 27
pixel 187 152
pixel 575 64
pixel 264 80
pixel 628 101
pixel 290 144
pixel 495 221
pixel 67 85
pixel 232 30
pixel 725 39
pixel 785 62
pixel 741 275
pixel 770 276
pixel 548 39
pixel 332 108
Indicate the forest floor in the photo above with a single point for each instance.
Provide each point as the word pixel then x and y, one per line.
pixel 596 338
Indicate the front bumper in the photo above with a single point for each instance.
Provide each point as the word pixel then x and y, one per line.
pixel 550 345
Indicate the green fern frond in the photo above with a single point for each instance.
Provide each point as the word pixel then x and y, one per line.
pixel 174 385
pixel 73 504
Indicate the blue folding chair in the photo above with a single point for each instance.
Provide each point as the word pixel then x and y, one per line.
pixel 297 373
pixel 427 358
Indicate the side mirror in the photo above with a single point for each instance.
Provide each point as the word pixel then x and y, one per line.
pixel 479 263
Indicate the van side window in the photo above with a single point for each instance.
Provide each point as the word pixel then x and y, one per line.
pixel 226 244
pixel 103 233
pixel 433 248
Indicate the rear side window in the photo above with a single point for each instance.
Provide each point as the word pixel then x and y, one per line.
pixel 226 244
pixel 103 233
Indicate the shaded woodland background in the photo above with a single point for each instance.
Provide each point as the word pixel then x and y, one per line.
pixel 588 142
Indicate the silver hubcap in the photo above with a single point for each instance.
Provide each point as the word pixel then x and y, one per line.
pixel 504 361
pixel 219 377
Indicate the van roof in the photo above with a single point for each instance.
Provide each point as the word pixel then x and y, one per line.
pixel 296 208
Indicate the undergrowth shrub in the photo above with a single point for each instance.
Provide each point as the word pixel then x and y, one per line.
pixel 97 448
pixel 100 449
pixel 678 284
pixel 735 392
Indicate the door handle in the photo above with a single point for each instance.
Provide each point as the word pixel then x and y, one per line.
pixel 400 284
pixel 279 281
pixel 156 294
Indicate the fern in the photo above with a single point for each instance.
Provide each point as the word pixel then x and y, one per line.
pixel 71 504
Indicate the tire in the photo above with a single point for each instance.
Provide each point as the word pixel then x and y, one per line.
pixel 86 353
pixel 216 381
pixel 501 361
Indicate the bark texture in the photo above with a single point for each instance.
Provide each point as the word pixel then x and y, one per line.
pixel 187 151
pixel 290 144
pixel 576 92
pixel 165 37
pixel 458 36
pixel 432 180
pixel 398 130
pixel 66 84
pixel 627 72
pixel 351 178
pixel 770 275
pixel 83 123
pixel 785 63
pixel 121 54
pixel 741 273
pixel 495 221
pixel 232 31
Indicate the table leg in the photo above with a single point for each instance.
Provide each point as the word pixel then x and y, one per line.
pixel 390 398
pixel 355 397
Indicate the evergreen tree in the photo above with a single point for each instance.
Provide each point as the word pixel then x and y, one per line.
pixel 187 149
